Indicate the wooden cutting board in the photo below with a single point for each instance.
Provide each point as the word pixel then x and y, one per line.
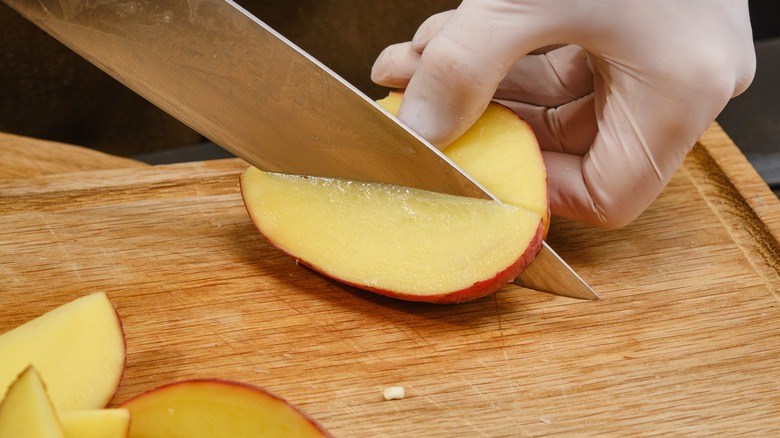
pixel 684 340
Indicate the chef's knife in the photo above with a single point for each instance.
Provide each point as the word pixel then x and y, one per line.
pixel 229 76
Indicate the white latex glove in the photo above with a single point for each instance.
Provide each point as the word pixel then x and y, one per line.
pixel 620 93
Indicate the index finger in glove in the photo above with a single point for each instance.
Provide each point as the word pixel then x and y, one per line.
pixel 463 63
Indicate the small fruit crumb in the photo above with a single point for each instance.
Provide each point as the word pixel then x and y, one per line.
pixel 394 393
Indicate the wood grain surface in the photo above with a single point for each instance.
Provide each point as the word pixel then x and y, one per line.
pixel 683 342
pixel 22 157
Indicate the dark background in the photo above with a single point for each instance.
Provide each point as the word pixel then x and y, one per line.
pixel 48 92
pixel 764 18
pixel 752 119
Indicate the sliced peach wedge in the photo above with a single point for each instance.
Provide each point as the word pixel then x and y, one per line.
pixel 211 408
pixel 414 244
pixel 26 410
pixel 77 348
pixel 396 241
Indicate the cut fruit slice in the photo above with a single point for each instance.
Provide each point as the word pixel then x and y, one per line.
pixel 26 410
pixel 502 153
pixel 78 349
pixel 95 423
pixel 397 241
pixel 216 408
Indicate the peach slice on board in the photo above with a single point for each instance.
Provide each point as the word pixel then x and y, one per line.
pixel 408 243
pixel 216 408
pixel 77 348
pixel 26 410
pixel 396 241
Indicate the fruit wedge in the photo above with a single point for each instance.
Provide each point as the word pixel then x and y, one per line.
pixel 78 349
pixel 397 241
pixel 216 408
pixel 411 244
pixel 26 410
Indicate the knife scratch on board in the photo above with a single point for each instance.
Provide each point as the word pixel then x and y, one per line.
pixel 62 250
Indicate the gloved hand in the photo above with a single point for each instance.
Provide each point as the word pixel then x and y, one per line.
pixel 617 91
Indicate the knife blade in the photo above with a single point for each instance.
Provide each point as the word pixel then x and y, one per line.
pixel 226 74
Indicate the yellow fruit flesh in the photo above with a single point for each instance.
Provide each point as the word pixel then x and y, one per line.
pixel 26 410
pixel 95 423
pixel 502 153
pixel 388 237
pixel 78 349
pixel 211 409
